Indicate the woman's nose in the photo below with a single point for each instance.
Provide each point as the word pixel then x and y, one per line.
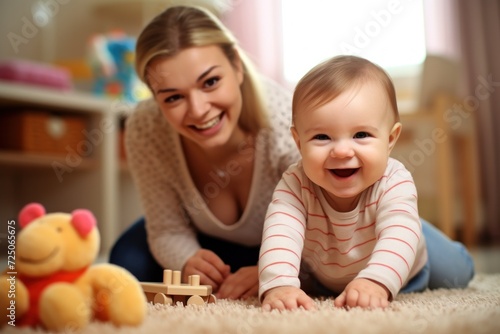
pixel 198 104
pixel 341 149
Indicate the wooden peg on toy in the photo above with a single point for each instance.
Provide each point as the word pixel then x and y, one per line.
pixel 172 290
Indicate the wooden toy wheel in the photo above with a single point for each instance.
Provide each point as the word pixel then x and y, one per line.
pixel 195 300
pixel 211 299
pixel 160 298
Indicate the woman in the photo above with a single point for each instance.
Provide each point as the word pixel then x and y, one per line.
pixel 206 153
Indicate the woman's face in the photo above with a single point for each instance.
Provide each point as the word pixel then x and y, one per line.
pixel 198 92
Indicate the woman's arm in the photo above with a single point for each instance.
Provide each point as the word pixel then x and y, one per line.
pixel 279 104
pixel 150 156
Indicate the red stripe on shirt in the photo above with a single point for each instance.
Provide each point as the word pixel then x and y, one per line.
pixel 401 240
pixel 337 249
pixel 288 226
pixel 286 214
pixel 276 263
pixel 280 248
pixel 394 253
pixel 401 226
pixel 389 267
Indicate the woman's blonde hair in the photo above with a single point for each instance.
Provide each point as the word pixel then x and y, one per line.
pixel 181 27
pixel 329 79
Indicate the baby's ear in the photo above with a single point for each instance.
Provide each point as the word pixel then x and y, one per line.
pixel 30 212
pixel 394 135
pixel 295 135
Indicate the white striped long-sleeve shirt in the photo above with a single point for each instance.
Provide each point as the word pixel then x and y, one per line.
pixel 380 240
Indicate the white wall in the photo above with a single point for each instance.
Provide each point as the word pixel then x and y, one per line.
pixel 16 23
pixel 71 24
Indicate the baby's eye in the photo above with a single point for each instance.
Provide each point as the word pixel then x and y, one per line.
pixel 211 82
pixel 321 137
pixel 173 98
pixel 361 135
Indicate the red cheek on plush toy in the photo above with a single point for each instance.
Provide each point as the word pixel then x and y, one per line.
pixel 83 221
pixel 30 212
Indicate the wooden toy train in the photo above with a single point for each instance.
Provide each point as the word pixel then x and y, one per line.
pixel 172 290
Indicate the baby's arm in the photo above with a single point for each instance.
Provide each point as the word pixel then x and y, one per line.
pixel 364 293
pixel 286 298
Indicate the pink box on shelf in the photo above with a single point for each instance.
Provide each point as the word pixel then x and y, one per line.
pixel 28 72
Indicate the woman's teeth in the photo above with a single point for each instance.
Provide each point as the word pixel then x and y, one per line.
pixel 208 124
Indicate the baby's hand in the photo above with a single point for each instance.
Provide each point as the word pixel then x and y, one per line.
pixel 363 293
pixel 286 298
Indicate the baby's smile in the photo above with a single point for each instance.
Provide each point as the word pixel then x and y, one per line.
pixel 344 172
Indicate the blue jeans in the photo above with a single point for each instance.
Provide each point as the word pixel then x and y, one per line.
pixel 131 252
pixel 449 264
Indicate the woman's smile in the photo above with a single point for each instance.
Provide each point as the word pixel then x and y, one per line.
pixel 209 124
pixel 210 127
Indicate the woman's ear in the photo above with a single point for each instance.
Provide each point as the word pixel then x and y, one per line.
pixel 394 135
pixel 238 66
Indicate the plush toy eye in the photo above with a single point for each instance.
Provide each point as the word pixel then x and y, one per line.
pixel 59 229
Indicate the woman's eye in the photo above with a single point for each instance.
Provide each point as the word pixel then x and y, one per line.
pixel 321 137
pixel 211 82
pixel 361 135
pixel 172 98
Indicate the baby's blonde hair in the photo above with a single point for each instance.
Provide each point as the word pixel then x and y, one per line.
pixel 181 27
pixel 329 79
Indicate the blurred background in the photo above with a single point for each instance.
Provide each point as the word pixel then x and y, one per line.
pixel 67 84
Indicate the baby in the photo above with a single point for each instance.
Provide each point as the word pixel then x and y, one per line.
pixel 346 215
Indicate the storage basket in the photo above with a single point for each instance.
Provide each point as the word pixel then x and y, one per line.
pixel 41 131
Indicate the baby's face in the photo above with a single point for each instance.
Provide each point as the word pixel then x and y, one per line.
pixel 345 144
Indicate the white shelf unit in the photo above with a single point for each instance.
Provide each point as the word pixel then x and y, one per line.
pixel 93 183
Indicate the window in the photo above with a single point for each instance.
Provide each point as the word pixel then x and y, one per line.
pixel 387 32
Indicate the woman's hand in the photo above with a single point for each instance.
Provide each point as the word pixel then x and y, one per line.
pixel 212 270
pixel 286 298
pixel 242 284
pixel 364 293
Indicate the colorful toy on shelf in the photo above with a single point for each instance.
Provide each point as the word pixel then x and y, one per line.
pixel 51 282
pixel 172 290
pixel 112 61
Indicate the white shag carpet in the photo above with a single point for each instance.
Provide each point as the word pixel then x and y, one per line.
pixel 472 310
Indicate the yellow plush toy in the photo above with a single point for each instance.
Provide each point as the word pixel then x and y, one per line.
pixel 54 283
